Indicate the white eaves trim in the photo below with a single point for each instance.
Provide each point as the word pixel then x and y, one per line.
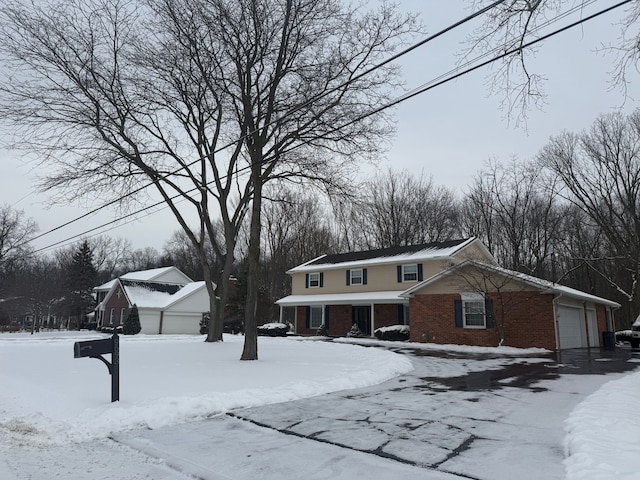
pixel 362 298
pixel 544 286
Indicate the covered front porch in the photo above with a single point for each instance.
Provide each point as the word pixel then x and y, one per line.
pixel 338 312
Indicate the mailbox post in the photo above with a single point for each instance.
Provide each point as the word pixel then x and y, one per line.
pixel 97 348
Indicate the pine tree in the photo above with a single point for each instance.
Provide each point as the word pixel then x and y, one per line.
pixel 132 323
pixel 81 280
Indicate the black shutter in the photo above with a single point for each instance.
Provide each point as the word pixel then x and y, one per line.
pixel 399 270
pixel 306 281
pixel 488 311
pixel 400 314
pixel 348 277
pixel 420 277
pixel 364 276
pixel 457 307
pixel 326 318
pixel 321 279
pixel 308 321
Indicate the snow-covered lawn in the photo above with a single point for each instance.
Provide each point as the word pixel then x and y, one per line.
pixel 48 398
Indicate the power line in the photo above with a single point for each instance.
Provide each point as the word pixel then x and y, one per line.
pixel 415 92
pixel 279 119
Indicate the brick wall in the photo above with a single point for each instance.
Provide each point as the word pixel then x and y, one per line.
pixel 117 304
pixel 340 318
pixel 528 321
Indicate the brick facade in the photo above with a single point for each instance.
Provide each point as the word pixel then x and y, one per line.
pixel 117 302
pixel 528 321
pixel 340 319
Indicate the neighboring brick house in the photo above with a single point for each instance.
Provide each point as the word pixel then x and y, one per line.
pixel 168 301
pixel 364 287
pixel 448 292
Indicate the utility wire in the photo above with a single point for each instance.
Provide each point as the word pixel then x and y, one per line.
pixel 279 119
pixel 415 92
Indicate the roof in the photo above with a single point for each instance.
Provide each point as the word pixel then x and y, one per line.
pixel 410 253
pixel 148 275
pixel 154 295
pixel 543 285
pixel 365 298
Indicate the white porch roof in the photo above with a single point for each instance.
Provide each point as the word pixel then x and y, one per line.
pixel 361 298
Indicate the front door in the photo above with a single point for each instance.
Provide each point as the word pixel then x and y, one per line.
pixel 361 315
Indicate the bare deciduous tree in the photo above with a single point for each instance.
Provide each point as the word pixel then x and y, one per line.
pixel 122 92
pixel 600 170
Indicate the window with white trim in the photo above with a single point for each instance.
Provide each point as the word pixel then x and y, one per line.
pixel 122 315
pixel 410 273
pixel 112 314
pixel 356 276
pixel 473 310
pixel 314 280
pixel 316 317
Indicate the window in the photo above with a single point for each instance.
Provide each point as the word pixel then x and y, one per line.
pixel 316 317
pixel 111 315
pixel 406 314
pixel 409 273
pixel 121 315
pixel 473 311
pixel 314 280
pixel 356 276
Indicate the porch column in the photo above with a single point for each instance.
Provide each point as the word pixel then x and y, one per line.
pixel 281 313
pixel 373 320
pixel 295 319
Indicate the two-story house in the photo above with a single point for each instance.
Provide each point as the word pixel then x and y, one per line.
pixel 448 292
pixel 168 301
pixel 365 287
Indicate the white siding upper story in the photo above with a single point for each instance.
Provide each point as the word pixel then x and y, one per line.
pixel 382 270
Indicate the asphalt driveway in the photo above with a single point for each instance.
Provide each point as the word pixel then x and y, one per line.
pixel 476 416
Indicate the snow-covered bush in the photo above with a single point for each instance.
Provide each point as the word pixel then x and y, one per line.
pixel 273 329
pixel 393 333
pixel 355 331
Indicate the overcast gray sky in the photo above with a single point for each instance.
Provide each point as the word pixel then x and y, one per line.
pixel 448 132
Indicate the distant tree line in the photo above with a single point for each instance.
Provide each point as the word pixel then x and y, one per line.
pixel 570 215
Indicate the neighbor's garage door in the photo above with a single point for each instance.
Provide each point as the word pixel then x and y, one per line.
pixel 571 328
pixel 181 323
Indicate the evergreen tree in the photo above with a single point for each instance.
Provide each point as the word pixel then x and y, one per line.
pixel 132 323
pixel 81 279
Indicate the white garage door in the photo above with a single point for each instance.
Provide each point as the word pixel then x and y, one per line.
pixel 571 327
pixel 182 324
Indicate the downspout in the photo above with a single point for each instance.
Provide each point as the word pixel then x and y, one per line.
pixel 161 319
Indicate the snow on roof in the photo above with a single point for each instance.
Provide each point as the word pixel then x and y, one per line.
pixel 145 297
pixel 411 253
pixel 146 275
pixel 536 282
pixel 365 298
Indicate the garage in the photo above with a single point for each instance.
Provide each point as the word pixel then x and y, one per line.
pixel 571 327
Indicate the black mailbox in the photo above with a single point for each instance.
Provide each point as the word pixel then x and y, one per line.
pixel 97 348
pixel 92 348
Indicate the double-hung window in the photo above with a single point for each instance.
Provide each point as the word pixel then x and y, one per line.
pixel 316 317
pixel 356 276
pixel 314 280
pixel 473 310
pixel 410 273
pixel 112 314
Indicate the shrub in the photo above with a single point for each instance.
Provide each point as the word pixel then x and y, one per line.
pixel 355 331
pixel 132 323
pixel 394 333
pixel 273 329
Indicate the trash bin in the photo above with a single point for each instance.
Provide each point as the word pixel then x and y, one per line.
pixel 608 340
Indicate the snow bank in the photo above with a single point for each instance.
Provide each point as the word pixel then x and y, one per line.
pixel 603 433
pixel 48 397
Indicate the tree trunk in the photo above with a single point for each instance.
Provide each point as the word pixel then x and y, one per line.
pixel 214 331
pixel 250 351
